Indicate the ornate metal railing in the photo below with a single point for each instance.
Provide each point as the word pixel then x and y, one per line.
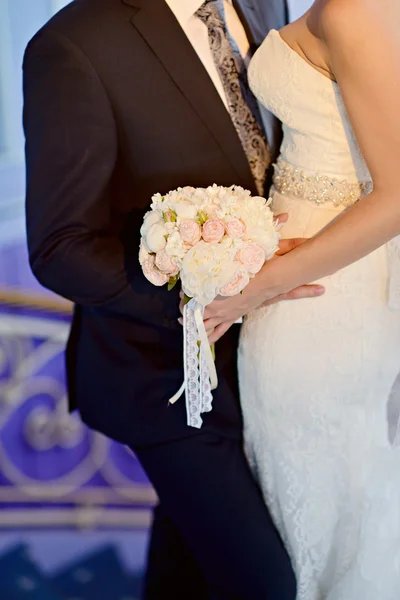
pixel 53 470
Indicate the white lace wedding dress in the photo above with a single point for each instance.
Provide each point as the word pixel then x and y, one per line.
pixel 316 375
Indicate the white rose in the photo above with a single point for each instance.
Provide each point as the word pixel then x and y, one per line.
pixel 150 218
pixel 155 237
pixel 205 269
pixel 184 210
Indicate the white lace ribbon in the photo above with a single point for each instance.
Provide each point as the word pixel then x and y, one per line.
pixel 199 367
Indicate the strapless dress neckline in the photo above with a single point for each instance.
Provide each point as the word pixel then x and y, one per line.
pixel 303 60
pixel 318 135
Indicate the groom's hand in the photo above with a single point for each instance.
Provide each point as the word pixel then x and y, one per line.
pixel 221 314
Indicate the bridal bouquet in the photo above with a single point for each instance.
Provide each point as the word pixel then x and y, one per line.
pixel 214 240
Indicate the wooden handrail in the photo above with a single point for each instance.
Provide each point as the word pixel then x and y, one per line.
pixel 36 300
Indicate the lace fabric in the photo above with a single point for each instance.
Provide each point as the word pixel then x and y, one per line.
pixel 318 137
pixel 191 359
pixel 198 385
pixel 317 377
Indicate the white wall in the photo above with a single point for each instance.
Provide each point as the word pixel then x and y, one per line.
pixel 298 8
pixel 19 20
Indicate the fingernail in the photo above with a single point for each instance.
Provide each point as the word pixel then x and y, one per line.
pixel 320 290
pixel 180 321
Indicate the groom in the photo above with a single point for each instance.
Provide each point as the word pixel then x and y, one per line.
pixel 125 98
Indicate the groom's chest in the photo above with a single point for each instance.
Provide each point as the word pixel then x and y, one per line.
pixel 173 127
pixel 176 115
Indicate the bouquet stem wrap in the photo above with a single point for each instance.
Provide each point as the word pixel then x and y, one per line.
pixel 199 366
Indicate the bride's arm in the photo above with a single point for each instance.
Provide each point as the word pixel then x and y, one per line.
pixel 363 42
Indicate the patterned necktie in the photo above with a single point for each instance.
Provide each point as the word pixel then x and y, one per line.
pixel 242 104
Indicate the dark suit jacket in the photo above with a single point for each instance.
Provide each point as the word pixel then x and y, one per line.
pixel 117 107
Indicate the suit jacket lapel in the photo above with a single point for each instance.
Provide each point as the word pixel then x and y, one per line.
pixel 158 26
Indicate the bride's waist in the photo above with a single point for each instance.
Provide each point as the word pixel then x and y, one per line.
pixel 317 188
pixel 306 218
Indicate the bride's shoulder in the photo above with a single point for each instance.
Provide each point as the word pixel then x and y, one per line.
pixel 343 18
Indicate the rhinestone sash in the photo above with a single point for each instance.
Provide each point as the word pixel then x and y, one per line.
pixel 318 188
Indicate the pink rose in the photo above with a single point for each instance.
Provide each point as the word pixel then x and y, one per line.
pixel 166 264
pixel 238 283
pixel 144 256
pixel 252 257
pixel 235 228
pixel 213 230
pixel 190 232
pixel 151 273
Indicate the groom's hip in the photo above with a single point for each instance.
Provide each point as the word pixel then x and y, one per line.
pixel 122 374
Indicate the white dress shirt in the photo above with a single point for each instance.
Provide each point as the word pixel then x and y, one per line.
pixel 196 32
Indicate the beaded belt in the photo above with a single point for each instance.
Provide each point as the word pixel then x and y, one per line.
pixel 317 188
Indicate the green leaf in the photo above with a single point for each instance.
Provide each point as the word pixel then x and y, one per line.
pixel 213 351
pixel 186 299
pixel 202 217
pixel 212 348
pixel 169 216
pixel 172 282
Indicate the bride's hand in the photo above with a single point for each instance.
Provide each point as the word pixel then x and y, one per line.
pixel 221 314
pixel 280 219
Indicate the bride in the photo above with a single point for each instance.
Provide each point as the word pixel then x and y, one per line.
pixel 316 376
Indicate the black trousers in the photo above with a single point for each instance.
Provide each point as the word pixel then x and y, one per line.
pixel 213 537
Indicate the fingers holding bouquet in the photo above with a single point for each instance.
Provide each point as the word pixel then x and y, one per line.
pixel 229 310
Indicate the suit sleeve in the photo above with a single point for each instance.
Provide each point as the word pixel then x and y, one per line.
pixel 71 152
